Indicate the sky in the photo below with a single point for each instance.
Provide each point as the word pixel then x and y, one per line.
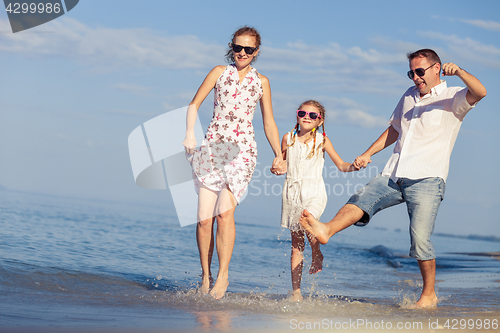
pixel 72 90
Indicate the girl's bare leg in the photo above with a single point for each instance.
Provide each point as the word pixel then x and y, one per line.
pixel 204 234
pixel 297 263
pixel 225 237
pixel 317 256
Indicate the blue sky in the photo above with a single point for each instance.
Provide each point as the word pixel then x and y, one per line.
pixel 73 89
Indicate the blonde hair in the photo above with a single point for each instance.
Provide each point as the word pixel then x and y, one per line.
pixel 322 112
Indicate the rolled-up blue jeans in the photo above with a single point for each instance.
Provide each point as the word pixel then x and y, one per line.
pixel 422 197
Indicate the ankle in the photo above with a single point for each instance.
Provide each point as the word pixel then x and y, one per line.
pixel 428 295
pixel 224 276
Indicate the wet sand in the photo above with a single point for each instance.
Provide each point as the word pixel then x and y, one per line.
pixel 424 321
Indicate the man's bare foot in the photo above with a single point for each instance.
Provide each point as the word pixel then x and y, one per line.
pixel 296 296
pixel 314 227
pixel 206 283
pixel 219 289
pixel 425 302
pixel 317 262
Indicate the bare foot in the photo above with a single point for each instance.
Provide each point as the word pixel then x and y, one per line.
pixel 296 296
pixel 425 302
pixel 314 227
pixel 206 283
pixel 317 262
pixel 219 288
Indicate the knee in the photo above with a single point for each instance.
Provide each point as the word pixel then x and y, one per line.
pixel 206 224
pixel 422 247
pixel 205 215
pixel 225 216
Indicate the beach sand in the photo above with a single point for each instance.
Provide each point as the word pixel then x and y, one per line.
pixel 424 322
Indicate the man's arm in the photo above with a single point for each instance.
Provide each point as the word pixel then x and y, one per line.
pixel 476 89
pixel 387 138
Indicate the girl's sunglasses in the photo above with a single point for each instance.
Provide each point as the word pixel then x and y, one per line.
pixel 237 48
pixel 312 115
pixel 419 71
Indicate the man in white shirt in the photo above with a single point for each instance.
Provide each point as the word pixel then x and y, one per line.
pixel 424 125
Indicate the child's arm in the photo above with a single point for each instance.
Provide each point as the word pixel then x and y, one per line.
pixel 339 162
pixel 279 170
pixel 283 146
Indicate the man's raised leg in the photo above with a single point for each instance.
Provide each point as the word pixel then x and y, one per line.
pixel 347 216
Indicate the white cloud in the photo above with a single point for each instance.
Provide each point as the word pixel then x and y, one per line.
pixel 133 88
pixel 400 48
pixel 488 25
pixel 114 48
pixel 336 68
pixel 73 139
pixel 331 66
pixel 331 58
pixel 343 111
pixel 123 112
pixel 467 48
pixel 361 118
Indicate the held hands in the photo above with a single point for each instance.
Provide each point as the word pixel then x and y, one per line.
pixel 450 69
pixel 189 143
pixel 361 161
pixel 279 166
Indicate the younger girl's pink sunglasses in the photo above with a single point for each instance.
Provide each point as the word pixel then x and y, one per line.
pixel 312 115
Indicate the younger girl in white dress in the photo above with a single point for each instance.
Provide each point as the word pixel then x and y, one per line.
pixel 304 188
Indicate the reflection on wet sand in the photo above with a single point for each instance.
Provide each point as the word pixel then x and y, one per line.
pixel 214 320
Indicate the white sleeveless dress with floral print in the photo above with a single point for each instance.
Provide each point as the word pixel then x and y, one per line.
pixel 228 154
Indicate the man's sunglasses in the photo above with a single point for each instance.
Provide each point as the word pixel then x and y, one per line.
pixel 312 115
pixel 419 71
pixel 237 48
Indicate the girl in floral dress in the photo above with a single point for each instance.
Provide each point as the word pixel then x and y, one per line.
pixel 225 162
pixel 304 188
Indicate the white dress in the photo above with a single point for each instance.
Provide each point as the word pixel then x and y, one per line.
pixel 304 187
pixel 228 154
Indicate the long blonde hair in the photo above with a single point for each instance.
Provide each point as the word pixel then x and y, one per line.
pixel 322 112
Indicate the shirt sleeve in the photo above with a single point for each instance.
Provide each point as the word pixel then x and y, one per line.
pixel 460 105
pixel 395 120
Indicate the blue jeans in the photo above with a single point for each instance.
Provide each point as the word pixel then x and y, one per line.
pixel 422 197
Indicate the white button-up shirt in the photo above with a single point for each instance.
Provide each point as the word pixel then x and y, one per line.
pixel 428 128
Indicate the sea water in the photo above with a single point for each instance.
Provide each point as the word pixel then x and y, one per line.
pixel 90 264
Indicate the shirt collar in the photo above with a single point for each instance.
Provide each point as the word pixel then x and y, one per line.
pixel 439 88
pixel 435 91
